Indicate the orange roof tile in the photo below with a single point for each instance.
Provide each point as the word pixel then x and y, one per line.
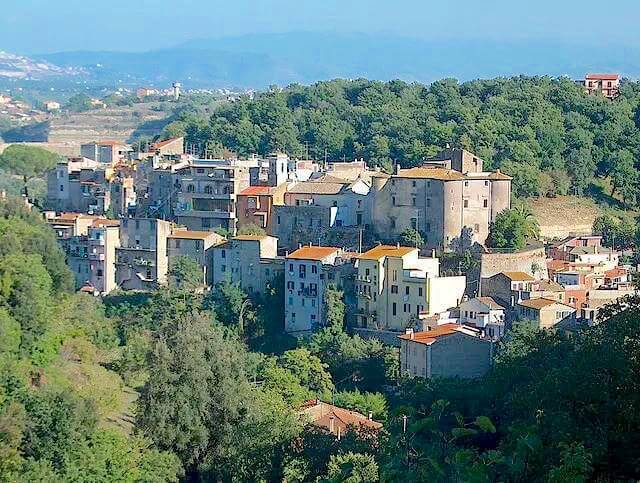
pixel 256 190
pixel 105 222
pixel 193 234
pixel 431 173
pixel 518 276
pixel 539 304
pixel 161 144
pixel 428 337
pixel 602 76
pixel 381 251
pixel 313 253
pixel 321 414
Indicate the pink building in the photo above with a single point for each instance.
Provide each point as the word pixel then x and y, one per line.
pixel 607 84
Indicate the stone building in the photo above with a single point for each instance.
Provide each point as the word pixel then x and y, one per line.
pixel 485 314
pixel 250 260
pixel 141 259
pixel 105 152
pixel 448 207
pixel 546 313
pixel 449 350
pixel 395 287
pixel 197 245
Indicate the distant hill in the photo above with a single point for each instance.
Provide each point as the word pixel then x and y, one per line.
pixel 20 67
pixel 258 60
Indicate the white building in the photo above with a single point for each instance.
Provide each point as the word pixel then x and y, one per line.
pixel 483 313
pixel 308 271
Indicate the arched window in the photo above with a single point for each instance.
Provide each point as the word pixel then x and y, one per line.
pixel 208 189
pixel 190 188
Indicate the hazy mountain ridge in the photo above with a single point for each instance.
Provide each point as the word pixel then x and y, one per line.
pixel 258 60
pixel 22 67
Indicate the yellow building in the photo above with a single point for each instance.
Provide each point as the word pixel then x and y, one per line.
pixel 396 287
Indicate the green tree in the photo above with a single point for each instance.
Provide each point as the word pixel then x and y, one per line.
pixel 412 238
pixel 334 307
pixel 513 228
pixel 27 161
pixel 251 229
pixel 352 468
pixel 185 274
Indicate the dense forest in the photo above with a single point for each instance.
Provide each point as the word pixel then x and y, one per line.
pixel 546 132
pixel 193 386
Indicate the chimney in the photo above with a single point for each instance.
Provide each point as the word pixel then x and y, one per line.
pixel 398 168
pixel 339 435
pixel 331 424
pixel 433 253
pixel 370 416
pixel 409 331
pixel 398 245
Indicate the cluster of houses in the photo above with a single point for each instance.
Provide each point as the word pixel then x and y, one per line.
pixel 123 218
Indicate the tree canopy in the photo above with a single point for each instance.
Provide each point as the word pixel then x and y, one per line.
pixel 27 161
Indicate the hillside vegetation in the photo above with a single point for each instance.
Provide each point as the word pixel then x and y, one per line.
pixel 546 132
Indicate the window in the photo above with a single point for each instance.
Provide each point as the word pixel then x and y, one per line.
pixel 302 271
pixel 427 227
pixel 359 203
pixel 394 309
pixel 149 274
pixel 476 227
pixel 99 272
pixel 466 203
pixel 428 202
pixel 176 243
pixel 486 183
pixel 393 223
pixel 200 170
pixel 395 275
pixel 414 223
pixel 61 188
pixel 314 269
pixel 223 268
pixel 485 203
pixel 223 254
pixel 393 200
pixel 419 291
pixel 278 219
pixel 291 267
pixel 466 183
pixel 406 290
pixel 366 272
pixel 413 201
pixel 313 302
pixel 303 300
pixel 291 285
pixel 190 188
pixel 208 189
pixel 394 289
pixel 137 224
pixel 393 182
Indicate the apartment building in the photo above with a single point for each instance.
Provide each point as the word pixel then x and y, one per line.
pixel 308 272
pixel 447 206
pixel 67 225
pixel 197 245
pixel 249 260
pixel 206 193
pixel 105 152
pixel 92 257
pixel 448 350
pixel 141 258
pixel 396 287
pixel 606 84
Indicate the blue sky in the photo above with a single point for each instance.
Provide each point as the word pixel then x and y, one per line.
pixel 41 26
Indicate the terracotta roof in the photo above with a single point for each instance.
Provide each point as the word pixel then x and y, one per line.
pixel 518 276
pixel 313 253
pixel 165 142
pixel 382 251
pixel 549 286
pixel 428 337
pixel 105 222
pixel 539 303
pixel 430 173
pixel 491 303
pixel 615 272
pixel 317 188
pixel 322 413
pixel 193 234
pixel 256 190
pixel 602 76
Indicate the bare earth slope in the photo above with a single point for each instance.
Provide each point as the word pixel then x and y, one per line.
pixel 565 215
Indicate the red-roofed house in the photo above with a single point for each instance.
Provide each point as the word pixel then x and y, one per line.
pixel 449 350
pixel 335 419
pixel 607 84
pixel 168 147
pixel 255 205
